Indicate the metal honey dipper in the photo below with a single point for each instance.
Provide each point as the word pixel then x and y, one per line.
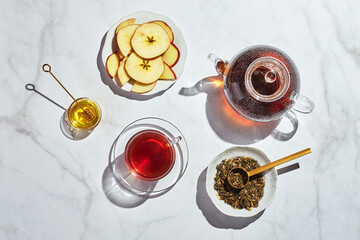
pixel 87 114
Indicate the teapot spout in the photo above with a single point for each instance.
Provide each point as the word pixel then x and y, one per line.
pixel 220 65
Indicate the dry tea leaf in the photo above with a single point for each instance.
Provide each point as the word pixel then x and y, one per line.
pixel 247 197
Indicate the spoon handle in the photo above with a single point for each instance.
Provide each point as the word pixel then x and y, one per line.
pixel 278 162
pixel 47 68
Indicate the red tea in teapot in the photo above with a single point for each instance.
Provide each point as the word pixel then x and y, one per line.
pixel 260 83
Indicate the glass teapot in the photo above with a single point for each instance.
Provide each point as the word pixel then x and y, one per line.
pixel 262 84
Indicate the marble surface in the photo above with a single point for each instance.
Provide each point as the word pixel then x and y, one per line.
pixel 52 187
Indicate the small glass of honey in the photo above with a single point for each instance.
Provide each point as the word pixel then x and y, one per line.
pixel 75 124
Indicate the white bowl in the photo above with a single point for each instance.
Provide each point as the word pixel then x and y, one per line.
pixel 270 177
pixel 143 17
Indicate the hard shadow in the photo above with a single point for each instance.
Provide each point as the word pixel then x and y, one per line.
pixel 71 132
pixel 288 168
pixel 65 126
pixel 285 136
pixel 223 119
pixel 111 83
pixel 120 192
pixel 213 215
pixel 217 218
pixel 121 170
pixel 31 87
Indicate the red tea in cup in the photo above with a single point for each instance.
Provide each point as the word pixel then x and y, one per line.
pixel 149 155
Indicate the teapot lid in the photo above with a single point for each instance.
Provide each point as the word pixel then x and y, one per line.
pixel 267 79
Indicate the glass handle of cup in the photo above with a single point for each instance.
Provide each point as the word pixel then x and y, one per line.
pixel 303 104
pixel 175 140
pixel 219 64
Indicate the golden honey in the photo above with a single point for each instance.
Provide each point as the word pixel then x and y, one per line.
pixel 76 114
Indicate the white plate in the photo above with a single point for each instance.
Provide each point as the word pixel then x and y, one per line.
pixel 143 17
pixel 269 178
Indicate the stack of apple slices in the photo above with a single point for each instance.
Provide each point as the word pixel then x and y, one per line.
pixel 146 54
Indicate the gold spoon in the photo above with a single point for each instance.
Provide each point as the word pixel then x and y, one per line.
pixel 87 114
pixel 243 176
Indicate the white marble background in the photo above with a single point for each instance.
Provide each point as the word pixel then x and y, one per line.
pixel 52 187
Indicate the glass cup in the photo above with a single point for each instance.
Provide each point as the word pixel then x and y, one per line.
pixel 74 125
pixel 149 156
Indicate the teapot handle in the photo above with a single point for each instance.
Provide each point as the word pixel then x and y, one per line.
pixel 303 104
pixel 220 65
pixel 281 136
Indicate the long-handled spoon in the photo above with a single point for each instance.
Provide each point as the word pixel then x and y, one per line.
pixel 239 177
pixel 87 114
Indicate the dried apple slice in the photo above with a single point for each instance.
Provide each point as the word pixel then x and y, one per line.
pixel 123 38
pixel 124 24
pixel 142 88
pixel 112 64
pixel 122 77
pixel 172 55
pixel 121 56
pixel 144 70
pixel 150 40
pixel 167 29
pixel 168 73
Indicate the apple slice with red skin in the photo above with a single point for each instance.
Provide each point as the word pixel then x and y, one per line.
pixel 139 87
pixel 121 57
pixel 150 40
pixel 112 64
pixel 168 73
pixel 172 55
pixel 122 77
pixel 167 29
pixel 143 70
pixel 124 24
pixel 123 38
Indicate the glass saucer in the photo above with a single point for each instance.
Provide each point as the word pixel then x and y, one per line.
pixel 146 187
